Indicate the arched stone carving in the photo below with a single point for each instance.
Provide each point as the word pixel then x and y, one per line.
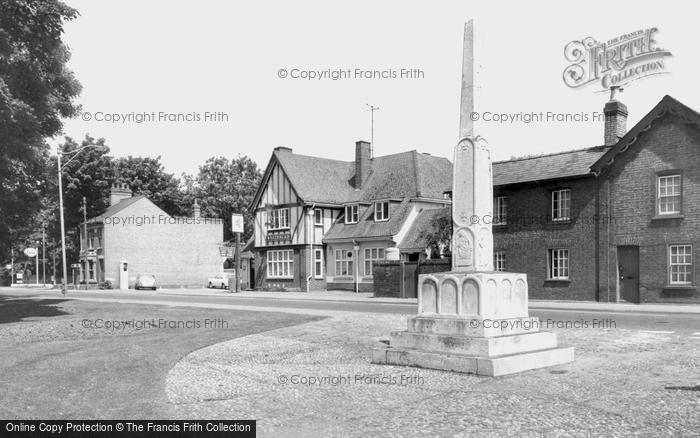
pixel 428 291
pixel 448 297
pixel 470 297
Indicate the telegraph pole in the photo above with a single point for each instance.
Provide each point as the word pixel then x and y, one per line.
pixel 372 109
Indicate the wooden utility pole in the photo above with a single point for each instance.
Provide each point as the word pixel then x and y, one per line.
pixel 238 262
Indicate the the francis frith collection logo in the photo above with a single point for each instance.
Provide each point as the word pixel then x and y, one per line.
pixel 618 61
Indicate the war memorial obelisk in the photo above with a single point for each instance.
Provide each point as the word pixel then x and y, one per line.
pixel 473 319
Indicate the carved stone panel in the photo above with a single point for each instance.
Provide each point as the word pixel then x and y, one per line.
pixel 463 252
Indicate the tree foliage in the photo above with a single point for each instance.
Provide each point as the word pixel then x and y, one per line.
pixel 36 91
pixel 439 235
pixel 224 187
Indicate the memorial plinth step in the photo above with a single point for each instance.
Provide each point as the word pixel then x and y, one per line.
pixel 476 346
pixel 477 326
pixel 483 366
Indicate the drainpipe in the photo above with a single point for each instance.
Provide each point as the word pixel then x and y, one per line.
pixel 310 227
pixel 356 249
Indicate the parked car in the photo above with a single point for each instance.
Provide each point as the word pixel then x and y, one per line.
pixel 220 281
pixel 146 281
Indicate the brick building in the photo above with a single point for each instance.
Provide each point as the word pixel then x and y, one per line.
pixel 178 251
pixel 320 223
pixel 616 222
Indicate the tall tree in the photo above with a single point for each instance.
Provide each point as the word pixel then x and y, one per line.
pixel 88 173
pixel 146 176
pixel 36 92
pixel 224 187
pixel 438 236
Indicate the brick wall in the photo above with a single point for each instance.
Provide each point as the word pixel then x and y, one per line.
pixel 177 254
pixel 530 234
pixel 387 278
pixel 434 265
pixel 670 146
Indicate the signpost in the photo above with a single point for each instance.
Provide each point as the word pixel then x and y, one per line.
pixel 33 252
pixel 237 229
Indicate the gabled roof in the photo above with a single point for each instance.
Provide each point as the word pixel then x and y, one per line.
pixel 116 208
pixel 667 105
pixel 315 179
pixel 559 165
pixel 407 174
pixel 366 227
pixel 324 181
pixel 423 224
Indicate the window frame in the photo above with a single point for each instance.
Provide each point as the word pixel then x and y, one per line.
pixel 689 272
pixel 557 213
pixel 346 260
pixel 276 264
pixel 679 195
pixel 499 257
pixel 500 210
pixel 384 210
pixel 318 263
pixel 354 216
pixel 318 216
pixel 277 215
pixel 550 264
pixel 368 260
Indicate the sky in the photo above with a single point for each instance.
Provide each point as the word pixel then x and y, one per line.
pixel 184 59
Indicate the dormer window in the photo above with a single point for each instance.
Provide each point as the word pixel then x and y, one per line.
pixel 381 211
pixel 352 214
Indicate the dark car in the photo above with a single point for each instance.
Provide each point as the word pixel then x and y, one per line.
pixel 145 281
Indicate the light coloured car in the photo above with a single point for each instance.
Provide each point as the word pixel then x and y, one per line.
pixel 145 281
pixel 220 281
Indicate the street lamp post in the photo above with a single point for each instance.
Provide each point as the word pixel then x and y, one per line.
pixel 60 207
pixel 63 227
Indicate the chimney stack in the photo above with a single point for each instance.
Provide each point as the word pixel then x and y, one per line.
pixel 118 192
pixel 363 162
pixel 615 117
pixel 196 210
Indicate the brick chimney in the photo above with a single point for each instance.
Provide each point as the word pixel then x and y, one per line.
pixel 615 117
pixel 363 162
pixel 118 192
pixel 196 210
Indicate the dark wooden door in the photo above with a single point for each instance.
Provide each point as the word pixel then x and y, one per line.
pixel 409 280
pixel 628 270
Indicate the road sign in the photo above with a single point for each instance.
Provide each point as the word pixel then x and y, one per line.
pixel 30 252
pixel 237 223
pixel 75 265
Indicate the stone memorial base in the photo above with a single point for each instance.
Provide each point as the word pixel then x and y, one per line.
pixel 475 322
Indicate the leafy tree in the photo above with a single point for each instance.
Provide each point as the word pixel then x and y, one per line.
pixel 36 91
pixel 146 176
pixel 439 235
pixel 223 187
pixel 88 173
